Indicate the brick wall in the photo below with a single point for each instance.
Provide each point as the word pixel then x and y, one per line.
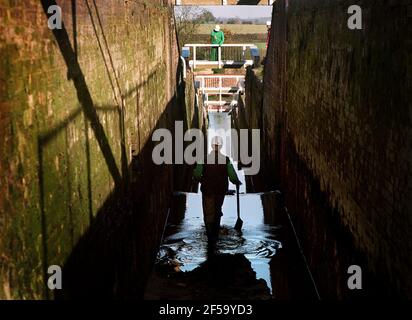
pixel 77 107
pixel 337 120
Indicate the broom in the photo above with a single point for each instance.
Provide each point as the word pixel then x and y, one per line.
pixel 239 222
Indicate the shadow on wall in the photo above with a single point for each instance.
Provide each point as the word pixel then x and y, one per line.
pixel 334 178
pixel 114 256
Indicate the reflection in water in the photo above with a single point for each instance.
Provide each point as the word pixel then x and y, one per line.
pixel 185 242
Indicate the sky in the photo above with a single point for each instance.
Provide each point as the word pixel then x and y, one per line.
pixel 240 11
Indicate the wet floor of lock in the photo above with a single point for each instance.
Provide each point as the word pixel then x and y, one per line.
pixel 188 241
pixel 261 262
pixel 185 246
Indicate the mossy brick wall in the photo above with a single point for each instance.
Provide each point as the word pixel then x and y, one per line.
pixel 254 98
pixel 73 113
pixel 337 121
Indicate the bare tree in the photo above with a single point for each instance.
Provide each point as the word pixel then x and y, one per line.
pixel 188 19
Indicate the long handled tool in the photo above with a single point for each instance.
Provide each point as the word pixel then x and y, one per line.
pixel 239 222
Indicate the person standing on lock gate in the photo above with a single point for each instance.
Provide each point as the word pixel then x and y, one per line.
pixel 269 28
pixel 217 37
pixel 213 176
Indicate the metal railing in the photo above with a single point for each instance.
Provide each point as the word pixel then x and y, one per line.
pixel 225 102
pixel 220 86
pixel 222 83
pixel 221 55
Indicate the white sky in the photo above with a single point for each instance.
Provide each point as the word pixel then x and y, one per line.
pixel 240 11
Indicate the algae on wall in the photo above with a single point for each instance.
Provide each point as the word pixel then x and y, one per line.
pixel 336 136
pixel 74 105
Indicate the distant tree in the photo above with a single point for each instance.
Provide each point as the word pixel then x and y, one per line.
pixel 234 21
pixel 228 33
pixel 187 22
pixel 188 19
pixel 206 17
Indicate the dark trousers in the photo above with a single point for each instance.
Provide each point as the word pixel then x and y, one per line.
pixel 212 213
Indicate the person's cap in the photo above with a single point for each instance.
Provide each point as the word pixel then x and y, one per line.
pixel 217 141
pixel 268 23
pixel 217 27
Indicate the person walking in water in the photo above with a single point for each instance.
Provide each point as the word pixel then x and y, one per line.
pixel 217 37
pixel 214 175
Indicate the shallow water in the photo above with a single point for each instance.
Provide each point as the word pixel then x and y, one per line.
pixel 185 241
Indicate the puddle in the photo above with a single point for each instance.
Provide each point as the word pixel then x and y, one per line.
pixel 185 242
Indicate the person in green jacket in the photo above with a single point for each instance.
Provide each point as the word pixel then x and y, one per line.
pixel 214 175
pixel 217 37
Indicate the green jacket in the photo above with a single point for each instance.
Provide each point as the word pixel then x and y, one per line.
pixel 198 172
pixel 217 37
